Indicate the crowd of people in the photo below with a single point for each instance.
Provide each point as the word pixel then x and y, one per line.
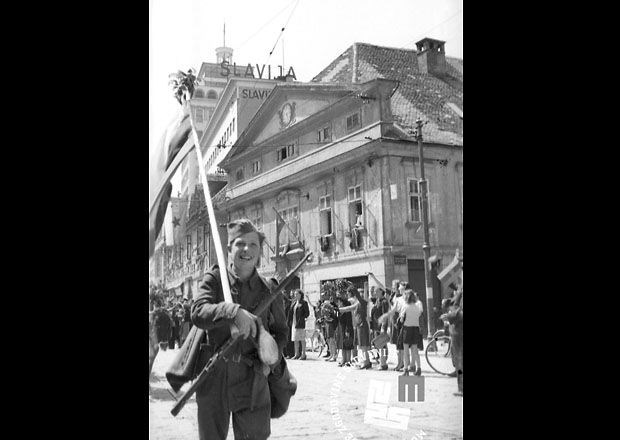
pixel 255 391
pixel 352 326
pixel 171 316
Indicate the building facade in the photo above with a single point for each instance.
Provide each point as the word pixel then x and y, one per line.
pixel 331 167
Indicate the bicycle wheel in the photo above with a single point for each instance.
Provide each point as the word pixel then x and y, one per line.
pixel 437 354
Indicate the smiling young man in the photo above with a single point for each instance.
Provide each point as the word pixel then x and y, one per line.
pixel 238 386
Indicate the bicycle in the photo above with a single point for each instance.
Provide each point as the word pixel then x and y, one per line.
pixel 438 353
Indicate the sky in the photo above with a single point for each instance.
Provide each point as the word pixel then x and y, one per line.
pixel 185 33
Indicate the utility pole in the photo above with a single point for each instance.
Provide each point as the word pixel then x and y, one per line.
pixel 426 247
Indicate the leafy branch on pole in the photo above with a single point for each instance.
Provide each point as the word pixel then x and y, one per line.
pixel 183 84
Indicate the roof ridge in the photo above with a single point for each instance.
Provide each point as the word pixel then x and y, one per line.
pixel 385 47
pixel 399 48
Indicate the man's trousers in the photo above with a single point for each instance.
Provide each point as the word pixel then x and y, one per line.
pixel 229 390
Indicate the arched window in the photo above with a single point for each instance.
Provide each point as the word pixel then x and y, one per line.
pixel 199 93
pixel 212 94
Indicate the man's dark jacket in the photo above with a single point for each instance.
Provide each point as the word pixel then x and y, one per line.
pixel 210 312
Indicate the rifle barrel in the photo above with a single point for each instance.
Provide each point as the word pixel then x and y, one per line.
pixel 229 345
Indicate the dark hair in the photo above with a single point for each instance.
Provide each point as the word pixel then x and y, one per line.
pixel 405 284
pixel 296 291
pixel 410 296
pixel 352 290
pixel 241 226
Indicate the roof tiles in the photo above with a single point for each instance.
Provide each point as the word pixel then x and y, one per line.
pixel 419 94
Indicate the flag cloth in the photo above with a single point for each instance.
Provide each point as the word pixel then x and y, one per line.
pixel 451 273
pixel 279 225
pixel 160 188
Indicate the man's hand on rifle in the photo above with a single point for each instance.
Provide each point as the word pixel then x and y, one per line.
pixel 245 323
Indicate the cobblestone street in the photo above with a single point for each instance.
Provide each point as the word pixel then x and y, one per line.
pixel 330 404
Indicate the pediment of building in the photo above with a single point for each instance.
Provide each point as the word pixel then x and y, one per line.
pixel 286 107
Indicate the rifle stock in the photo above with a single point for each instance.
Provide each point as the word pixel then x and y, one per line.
pixel 227 348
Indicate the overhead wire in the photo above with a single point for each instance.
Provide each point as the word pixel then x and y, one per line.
pixel 266 24
pixel 423 34
pixel 270 53
pixel 283 28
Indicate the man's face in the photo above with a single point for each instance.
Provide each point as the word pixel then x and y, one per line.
pixel 244 251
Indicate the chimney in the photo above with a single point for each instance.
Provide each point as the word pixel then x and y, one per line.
pixel 431 56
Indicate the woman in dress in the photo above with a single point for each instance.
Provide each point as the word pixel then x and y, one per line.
pixel 344 333
pixel 330 320
pixel 412 337
pixel 359 311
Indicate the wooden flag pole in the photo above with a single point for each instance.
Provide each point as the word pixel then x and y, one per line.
pixel 221 260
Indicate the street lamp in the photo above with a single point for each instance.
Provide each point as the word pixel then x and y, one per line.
pixel 417 133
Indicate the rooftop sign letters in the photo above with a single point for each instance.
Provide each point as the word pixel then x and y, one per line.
pixel 227 70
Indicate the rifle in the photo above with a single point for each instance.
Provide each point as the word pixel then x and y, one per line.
pixel 227 348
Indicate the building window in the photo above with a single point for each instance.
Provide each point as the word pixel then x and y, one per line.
pixel 256 167
pixel 189 246
pixel 198 238
pixel 353 121
pixel 291 218
pixel 239 174
pixel 199 93
pixel 415 208
pixel 415 200
pixel 211 94
pixel 325 214
pixel 200 115
pixel 356 211
pixel 286 152
pixel 324 135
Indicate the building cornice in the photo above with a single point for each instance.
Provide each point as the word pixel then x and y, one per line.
pixel 297 169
